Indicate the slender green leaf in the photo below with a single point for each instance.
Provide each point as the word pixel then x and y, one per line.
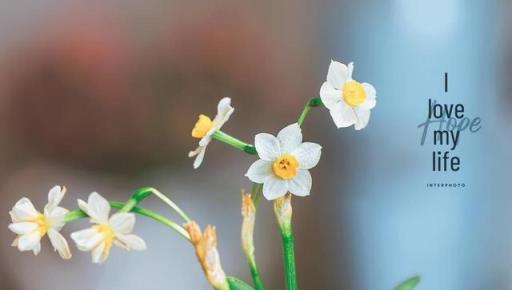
pixel 408 284
pixel 237 284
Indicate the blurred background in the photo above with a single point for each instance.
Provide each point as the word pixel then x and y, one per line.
pixel 102 96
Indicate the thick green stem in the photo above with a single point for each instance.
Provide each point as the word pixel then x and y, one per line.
pixel 313 102
pixel 234 142
pixel 78 213
pixel 283 210
pixel 289 259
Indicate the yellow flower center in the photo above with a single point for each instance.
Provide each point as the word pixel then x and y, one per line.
pixel 108 232
pixel 285 166
pixel 203 125
pixel 42 223
pixel 353 93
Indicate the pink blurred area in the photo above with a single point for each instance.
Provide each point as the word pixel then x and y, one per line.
pixel 131 77
pixel 102 96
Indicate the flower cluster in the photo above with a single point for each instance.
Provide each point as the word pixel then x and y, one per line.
pixel 30 225
pixel 284 160
pixel 281 171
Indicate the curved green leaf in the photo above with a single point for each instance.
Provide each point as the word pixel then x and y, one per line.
pixel 408 284
pixel 237 284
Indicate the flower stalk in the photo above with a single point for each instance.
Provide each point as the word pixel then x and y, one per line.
pixel 283 212
pixel 234 142
pixel 145 192
pixel 313 102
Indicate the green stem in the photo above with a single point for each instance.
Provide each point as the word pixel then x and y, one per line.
pixel 144 192
pixel 234 142
pixel 289 259
pixel 255 274
pixel 78 213
pixel 313 102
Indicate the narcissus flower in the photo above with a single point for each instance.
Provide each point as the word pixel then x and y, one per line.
pixel 206 127
pixel 30 225
pixel 348 101
pixel 284 163
pixel 114 230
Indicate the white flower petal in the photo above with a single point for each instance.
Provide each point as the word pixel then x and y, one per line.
pixel 59 244
pixel 369 90
pixel 100 253
pixel 87 239
pixel 224 111
pixel 290 137
pixel 205 141
pixel 122 222
pixel 200 156
pixel 37 249
pixel 274 187
pixel 300 185
pixel 338 74
pixel 98 208
pixel 363 117
pixel 55 196
pixel 370 101
pixel 131 242
pixel 56 218
pixel 308 155
pixel 14 219
pixel 343 115
pixel 329 95
pixel 29 241
pixel 350 69
pixel 367 105
pixel 259 171
pixel 23 227
pixel 24 210
pixel 267 146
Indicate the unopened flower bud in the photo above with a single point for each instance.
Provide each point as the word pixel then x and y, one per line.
pixel 283 211
pixel 248 215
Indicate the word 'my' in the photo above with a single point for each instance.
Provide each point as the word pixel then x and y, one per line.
pixel 452 122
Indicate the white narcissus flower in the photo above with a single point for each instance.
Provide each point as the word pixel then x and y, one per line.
pixel 284 163
pixel 205 128
pixel 114 230
pixel 348 101
pixel 30 225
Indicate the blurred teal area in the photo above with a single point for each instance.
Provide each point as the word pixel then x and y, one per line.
pixel 455 238
pixel 101 96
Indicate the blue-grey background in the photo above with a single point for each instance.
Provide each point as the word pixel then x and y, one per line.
pixel 102 95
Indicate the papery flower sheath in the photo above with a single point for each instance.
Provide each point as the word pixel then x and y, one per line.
pixel 348 101
pixel 284 163
pixel 205 244
pixel 30 225
pixel 107 231
pixel 205 128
